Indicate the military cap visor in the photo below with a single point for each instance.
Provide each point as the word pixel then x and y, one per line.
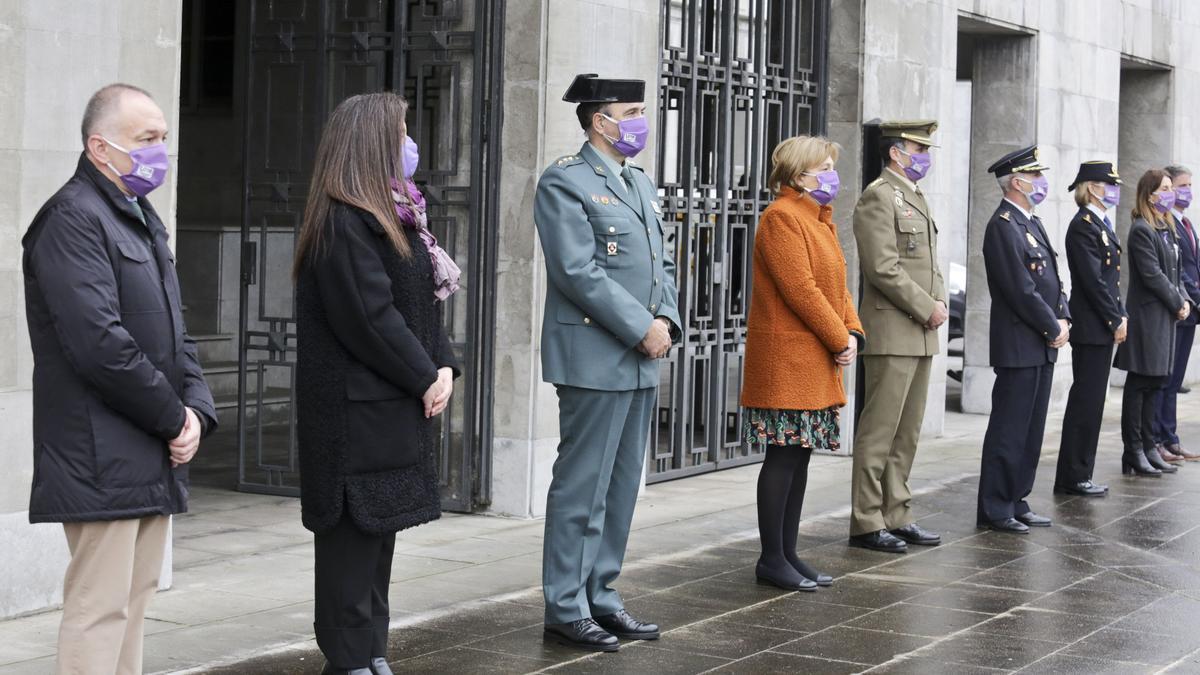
pixel 1100 172
pixel 1024 160
pixel 917 131
pixel 591 88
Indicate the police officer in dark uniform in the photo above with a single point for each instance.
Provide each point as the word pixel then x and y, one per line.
pixel 1098 322
pixel 1029 323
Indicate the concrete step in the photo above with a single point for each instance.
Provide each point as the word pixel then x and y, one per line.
pixel 276 408
pixel 222 378
pixel 216 347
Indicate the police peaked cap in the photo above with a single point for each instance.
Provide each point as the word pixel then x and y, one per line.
pixel 591 88
pixel 1100 172
pixel 1024 160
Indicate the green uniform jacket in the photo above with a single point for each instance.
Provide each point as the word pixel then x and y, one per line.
pixel 609 274
pixel 897 251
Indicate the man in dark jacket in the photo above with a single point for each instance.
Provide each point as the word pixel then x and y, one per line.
pixel 1029 323
pixel 119 401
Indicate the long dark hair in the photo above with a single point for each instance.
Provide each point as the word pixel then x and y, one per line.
pixel 1143 207
pixel 361 149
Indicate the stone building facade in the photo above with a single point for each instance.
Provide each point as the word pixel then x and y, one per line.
pixel 1085 79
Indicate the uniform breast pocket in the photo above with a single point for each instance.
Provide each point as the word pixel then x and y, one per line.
pixel 139 287
pixel 385 426
pixel 614 236
pixel 912 238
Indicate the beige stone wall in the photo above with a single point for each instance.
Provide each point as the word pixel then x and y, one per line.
pixel 53 55
pixel 547 42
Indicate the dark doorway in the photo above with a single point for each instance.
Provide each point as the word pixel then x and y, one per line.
pixel 259 79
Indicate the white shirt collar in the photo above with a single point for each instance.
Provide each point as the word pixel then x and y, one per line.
pixel 1028 214
pixel 1097 210
pixel 903 179
pixel 1178 214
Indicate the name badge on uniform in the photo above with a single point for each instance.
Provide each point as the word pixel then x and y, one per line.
pixel 612 248
pixel 1032 241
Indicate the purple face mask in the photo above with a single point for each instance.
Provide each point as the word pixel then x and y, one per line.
pixel 828 183
pixel 412 156
pixel 918 165
pixel 1183 197
pixel 1164 201
pixel 1112 195
pixel 1041 187
pixel 631 135
pixel 149 168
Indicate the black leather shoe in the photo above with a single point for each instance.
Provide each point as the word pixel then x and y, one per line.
pixel 330 670
pixel 1184 389
pixel 809 573
pixel 1157 462
pixel 583 634
pixel 1135 463
pixel 1085 489
pixel 379 666
pixel 879 541
pixel 1010 525
pixel 1034 520
pixel 624 626
pixel 917 535
pixel 791 581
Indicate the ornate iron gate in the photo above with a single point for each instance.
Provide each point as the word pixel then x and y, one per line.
pixel 738 77
pixel 304 57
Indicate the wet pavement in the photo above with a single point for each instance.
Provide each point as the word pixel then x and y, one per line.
pixel 1112 587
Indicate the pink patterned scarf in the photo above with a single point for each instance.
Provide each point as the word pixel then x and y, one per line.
pixel 446 273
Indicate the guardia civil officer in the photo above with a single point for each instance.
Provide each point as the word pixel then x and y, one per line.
pixel 610 316
pixel 903 304
pixel 1029 323
pixel 1099 321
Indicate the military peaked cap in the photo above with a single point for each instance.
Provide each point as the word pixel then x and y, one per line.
pixel 1101 172
pixel 1020 161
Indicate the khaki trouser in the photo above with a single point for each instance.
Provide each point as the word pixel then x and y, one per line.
pixel 886 441
pixel 112 575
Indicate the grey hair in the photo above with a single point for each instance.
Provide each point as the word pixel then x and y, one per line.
pixel 1006 182
pixel 1176 170
pixel 102 105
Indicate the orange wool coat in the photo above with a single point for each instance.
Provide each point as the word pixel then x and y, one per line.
pixel 801 312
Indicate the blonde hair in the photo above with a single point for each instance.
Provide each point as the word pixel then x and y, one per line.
pixel 797 155
pixel 1083 195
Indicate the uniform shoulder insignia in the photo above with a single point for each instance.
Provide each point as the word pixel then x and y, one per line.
pixel 1005 215
pixel 567 160
pixel 1087 217
pixel 877 182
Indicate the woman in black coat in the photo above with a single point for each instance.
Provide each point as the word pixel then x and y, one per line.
pixel 1155 302
pixel 374 366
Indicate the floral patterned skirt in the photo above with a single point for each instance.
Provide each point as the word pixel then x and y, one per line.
pixel 811 429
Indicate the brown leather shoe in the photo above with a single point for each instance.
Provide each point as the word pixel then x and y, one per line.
pixel 1166 454
pixel 1180 451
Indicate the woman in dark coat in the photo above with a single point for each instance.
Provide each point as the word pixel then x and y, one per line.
pixel 374 366
pixel 1155 302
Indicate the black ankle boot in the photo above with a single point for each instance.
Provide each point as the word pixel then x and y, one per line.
pixel 1157 462
pixel 1135 463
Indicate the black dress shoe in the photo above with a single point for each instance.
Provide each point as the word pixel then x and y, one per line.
pixel 1157 462
pixel 330 670
pixel 1010 525
pixel 915 534
pixel 624 626
pixel 379 666
pixel 583 634
pixel 879 541
pixel 1135 463
pixel 1085 489
pixel 1034 520
pixel 1183 389
pixel 788 580
pixel 811 574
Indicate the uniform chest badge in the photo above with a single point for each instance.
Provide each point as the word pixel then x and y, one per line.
pixel 1031 240
pixel 595 199
pixel 1104 237
pixel 612 248
pixel 604 200
pixel 908 213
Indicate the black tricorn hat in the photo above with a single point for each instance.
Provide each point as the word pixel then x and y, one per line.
pixel 1024 160
pixel 1101 172
pixel 590 88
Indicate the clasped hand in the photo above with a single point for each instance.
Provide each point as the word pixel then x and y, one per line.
pixel 437 396
pixel 657 342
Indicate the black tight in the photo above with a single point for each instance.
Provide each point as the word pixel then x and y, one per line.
pixel 781 485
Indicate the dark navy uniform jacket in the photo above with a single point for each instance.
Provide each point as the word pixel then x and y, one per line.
pixel 1094 258
pixel 1027 293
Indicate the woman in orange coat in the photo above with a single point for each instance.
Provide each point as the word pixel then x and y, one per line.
pixel 802 331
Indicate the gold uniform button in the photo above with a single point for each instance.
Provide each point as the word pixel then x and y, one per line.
pixel 653 256
pixel 586 320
